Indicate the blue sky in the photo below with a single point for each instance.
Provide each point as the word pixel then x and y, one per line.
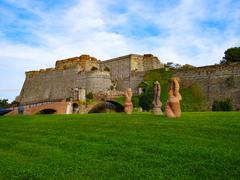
pixel 35 33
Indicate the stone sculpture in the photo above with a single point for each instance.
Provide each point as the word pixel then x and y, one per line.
pixel 157 104
pixel 69 109
pixel 173 108
pixel 128 106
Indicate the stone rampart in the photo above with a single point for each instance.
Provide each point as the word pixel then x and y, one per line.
pixel 98 81
pixel 86 72
pixel 217 82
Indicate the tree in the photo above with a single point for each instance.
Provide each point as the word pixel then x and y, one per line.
pixel 4 103
pixel 222 105
pixel 231 55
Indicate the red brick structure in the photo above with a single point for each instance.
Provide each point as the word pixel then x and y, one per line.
pixel 43 108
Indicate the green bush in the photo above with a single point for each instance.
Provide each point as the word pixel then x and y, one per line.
pixel 89 95
pixel 192 96
pixel 196 91
pixel 222 105
pixel 135 101
pixel 146 98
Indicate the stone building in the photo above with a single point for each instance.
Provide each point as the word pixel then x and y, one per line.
pixel 55 84
pixel 54 87
pixel 128 71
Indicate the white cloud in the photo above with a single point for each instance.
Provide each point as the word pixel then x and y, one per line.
pixel 87 27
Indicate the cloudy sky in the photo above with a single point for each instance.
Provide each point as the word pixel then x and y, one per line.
pixel 35 33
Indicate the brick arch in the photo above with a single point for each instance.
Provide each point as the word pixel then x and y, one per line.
pixel 59 107
pixel 107 106
pixel 47 111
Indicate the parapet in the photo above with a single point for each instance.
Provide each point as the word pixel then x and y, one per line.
pixel 41 71
pixel 70 62
pixel 84 62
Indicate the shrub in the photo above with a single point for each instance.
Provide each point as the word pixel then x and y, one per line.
pixel 222 105
pixel 135 101
pixel 196 91
pixel 146 98
pixel 89 95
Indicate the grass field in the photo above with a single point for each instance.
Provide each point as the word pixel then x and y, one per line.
pixel 118 146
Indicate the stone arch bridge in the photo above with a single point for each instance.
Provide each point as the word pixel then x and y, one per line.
pixel 60 107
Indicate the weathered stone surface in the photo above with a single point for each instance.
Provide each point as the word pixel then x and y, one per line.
pixel 173 108
pixel 157 104
pixel 217 82
pixel 82 95
pixel 128 71
pixel 128 106
pixel 85 72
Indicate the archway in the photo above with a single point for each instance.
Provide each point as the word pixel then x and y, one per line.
pixel 75 108
pixel 106 107
pixel 94 68
pixel 47 111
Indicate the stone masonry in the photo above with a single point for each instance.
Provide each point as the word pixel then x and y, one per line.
pixel 128 71
pixel 86 72
pixel 217 82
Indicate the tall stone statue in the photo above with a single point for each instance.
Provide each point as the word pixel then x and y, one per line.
pixel 173 108
pixel 128 106
pixel 69 109
pixel 157 104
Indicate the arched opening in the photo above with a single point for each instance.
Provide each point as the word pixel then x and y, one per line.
pixel 47 111
pixel 75 108
pixel 94 68
pixel 107 107
pixel 106 69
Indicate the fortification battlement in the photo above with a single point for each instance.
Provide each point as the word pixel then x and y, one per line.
pixel 218 69
pixel 84 62
pixel 81 60
pixel 145 57
pixel 122 57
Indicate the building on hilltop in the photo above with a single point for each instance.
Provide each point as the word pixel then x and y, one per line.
pixel 56 84
pixel 127 71
pixel 63 89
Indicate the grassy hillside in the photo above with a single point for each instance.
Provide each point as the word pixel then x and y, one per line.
pixel 120 146
pixel 192 96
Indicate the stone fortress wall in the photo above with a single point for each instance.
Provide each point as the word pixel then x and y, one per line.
pixel 85 72
pixel 57 83
pixel 217 82
pixel 128 71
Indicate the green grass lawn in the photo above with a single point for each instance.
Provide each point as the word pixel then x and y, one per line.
pixel 119 146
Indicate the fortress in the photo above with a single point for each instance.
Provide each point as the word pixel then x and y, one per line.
pixel 54 88
pixel 86 72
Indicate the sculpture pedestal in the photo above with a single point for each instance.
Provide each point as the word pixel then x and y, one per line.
pixel 128 108
pixel 173 109
pixel 157 111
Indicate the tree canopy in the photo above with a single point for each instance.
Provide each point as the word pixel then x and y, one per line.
pixel 5 104
pixel 231 55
